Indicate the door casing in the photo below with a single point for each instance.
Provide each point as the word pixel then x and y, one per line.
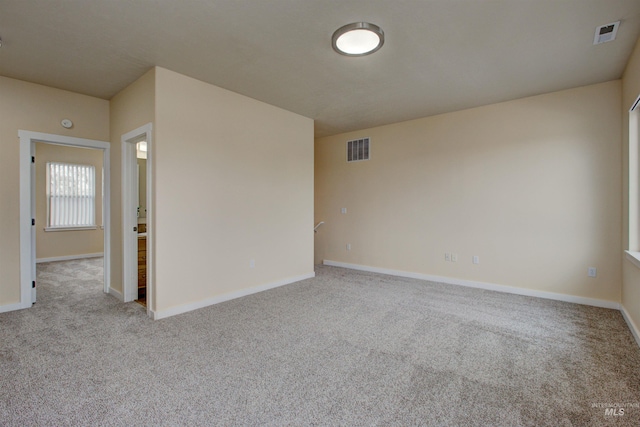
pixel 129 216
pixel 27 207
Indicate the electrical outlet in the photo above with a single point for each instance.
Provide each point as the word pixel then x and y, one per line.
pixel 348 246
pixel 476 259
pixel 343 210
pixel 447 256
pixel 592 272
pixel 252 263
pixel 454 257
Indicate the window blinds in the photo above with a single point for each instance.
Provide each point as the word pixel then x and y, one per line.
pixel 71 195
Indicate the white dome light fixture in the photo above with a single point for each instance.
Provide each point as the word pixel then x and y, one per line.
pixel 357 39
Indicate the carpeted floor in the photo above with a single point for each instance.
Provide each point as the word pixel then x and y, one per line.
pixel 345 348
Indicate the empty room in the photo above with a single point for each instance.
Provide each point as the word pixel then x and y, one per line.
pixel 222 212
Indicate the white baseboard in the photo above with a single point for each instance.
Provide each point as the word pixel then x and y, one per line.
pixel 161 314
pixel 12 307
pixel 116 294
pixel 480 285
pixel 632 326
pixel 70 257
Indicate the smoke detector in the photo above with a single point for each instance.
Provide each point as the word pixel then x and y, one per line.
pixel 606 33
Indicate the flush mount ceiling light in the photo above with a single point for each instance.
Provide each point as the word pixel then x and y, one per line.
pixel 357 39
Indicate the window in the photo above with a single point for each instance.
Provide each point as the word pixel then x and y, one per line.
pixel 71 196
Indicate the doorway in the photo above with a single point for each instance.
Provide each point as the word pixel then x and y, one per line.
pixel 68 211
pixel 137 218
pixel 28 207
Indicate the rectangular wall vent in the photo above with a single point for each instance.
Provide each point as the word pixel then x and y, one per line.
pixel 358 149
pixel 606 33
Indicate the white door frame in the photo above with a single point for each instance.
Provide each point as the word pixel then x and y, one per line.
pixel 27 208
pixel 129 217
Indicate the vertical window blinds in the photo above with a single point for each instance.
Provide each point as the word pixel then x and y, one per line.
pixel 71 195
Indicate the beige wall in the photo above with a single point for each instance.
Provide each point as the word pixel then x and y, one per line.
pixel 130 109
pixel 34 108
pixel 631 273
pixel 531 186
pixel 233 182
pixel 52 244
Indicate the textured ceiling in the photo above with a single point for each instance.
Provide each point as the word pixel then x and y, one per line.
pixel 439 55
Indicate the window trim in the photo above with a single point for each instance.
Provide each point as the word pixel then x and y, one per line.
pixel 70 227
pixel 634 257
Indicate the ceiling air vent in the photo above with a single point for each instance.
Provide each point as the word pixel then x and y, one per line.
pixel 358 149
pixel 606 33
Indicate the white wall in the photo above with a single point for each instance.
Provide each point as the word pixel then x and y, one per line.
pixel 36 108
pixel 233 182
pixel 130 109
pixel 631 273
pixel 531 186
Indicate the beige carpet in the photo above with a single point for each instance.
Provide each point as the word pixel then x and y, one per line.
pixel 345 348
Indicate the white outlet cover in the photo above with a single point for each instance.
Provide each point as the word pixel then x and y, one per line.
pixel 476 259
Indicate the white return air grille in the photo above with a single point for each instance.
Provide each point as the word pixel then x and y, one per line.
pixel 358 149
